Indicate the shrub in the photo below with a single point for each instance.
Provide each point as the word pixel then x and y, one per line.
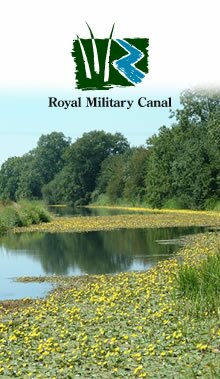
pixel 9 217
pixel 25 217
pixel 24 213
pixel 32 213
pixel 43 215
pixel 3 227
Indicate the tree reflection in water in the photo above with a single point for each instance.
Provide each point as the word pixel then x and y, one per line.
pixel 95 252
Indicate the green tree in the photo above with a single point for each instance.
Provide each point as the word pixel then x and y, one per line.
pixel 184 160
pixel 42 164
pixel 85 157
pixel 10 177
pixel 162 152
pixel 24 177
pixel 57 191
pixel 134 190
pixel 49 155
pixel 116 182
pixel 29 180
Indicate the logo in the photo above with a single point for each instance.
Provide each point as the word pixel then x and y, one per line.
pixel 102 64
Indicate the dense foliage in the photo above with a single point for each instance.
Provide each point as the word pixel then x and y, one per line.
pixel 20 214
pixel 177 168
pixel 23 177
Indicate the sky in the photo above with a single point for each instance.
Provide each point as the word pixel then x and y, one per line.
pixel 36 41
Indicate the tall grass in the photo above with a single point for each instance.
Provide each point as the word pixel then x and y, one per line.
pixel 201 284
pixel 173 204
pixel 103 199
pixel 24 213
pixel 217 206
pixel 212 204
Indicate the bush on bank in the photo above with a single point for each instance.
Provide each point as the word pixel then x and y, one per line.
pixel 24 213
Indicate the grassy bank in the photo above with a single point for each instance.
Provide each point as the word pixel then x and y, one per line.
pixel 21 214
pixel 130 325
pixel 171 204
pixel 152 219
pixel 141 208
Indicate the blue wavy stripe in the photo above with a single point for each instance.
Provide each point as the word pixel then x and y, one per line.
pixel 126 64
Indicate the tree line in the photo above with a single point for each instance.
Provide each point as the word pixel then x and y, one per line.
pixel 179 167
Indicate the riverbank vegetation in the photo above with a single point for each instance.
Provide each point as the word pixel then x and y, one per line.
pixel 201 283
pixel 162 323
pixel 177 168
pixel 132 325
pixel 21 214
pixel 157 219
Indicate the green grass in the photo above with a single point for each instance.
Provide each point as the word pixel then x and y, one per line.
pixel 24 213
pixel 212 204
pixel 201 284
pixel 103 200
pixel 217 206
pixel 173 204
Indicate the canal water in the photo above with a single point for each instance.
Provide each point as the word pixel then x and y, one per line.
pixel 100 252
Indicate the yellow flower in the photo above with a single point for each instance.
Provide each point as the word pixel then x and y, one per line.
pixel 202 347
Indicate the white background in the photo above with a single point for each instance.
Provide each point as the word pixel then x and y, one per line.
pixel 36 39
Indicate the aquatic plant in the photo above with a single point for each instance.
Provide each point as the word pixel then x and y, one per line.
pixel 152 219
pixel 122 326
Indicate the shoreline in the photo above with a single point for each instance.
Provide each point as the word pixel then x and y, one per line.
pixel 153 219
pixel 132 324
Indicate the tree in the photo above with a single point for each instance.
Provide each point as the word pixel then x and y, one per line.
pixel 134 190
pixel 112 177
pixel 85 157
pixel 162 152
pixel 198 106
pixel 29 179
pixel 184 160
pixel 24 177
pixel 10 177
pixel 49 156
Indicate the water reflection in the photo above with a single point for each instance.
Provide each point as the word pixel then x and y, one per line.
pixel 93 252
pixel 81 211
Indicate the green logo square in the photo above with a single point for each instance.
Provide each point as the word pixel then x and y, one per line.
pixel 102 64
